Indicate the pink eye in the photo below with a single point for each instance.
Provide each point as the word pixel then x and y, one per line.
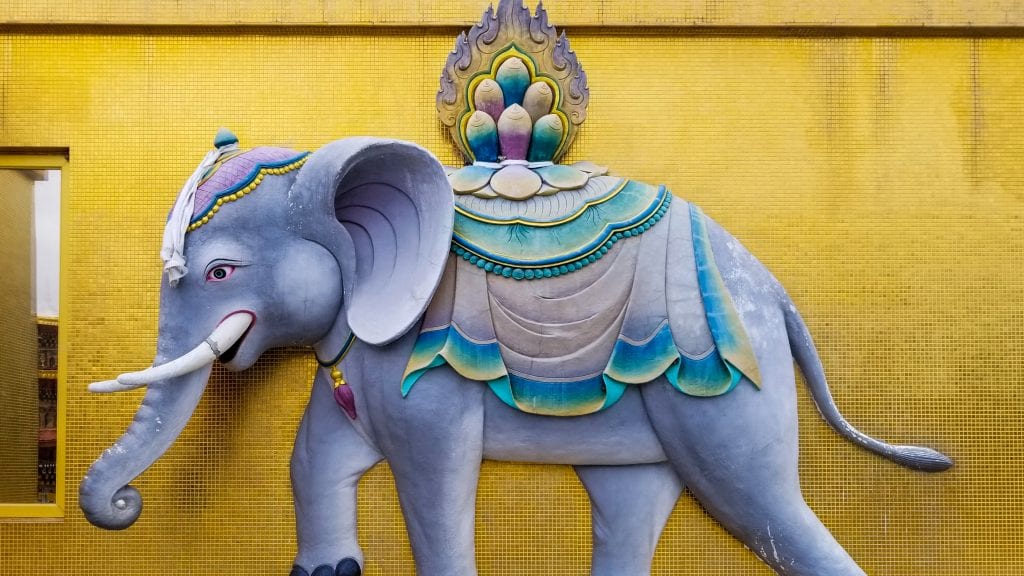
pixel 220 273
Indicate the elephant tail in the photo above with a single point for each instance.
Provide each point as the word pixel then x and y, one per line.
pixel 802 346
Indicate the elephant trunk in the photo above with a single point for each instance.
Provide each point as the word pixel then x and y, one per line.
pixel 175 384
pixel 104 494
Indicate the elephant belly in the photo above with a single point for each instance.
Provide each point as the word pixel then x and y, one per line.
pixel 621 434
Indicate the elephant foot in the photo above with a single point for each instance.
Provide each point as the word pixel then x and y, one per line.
pixel 347 567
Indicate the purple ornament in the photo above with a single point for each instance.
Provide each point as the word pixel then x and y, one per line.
pixel 514 128
pixel 346 399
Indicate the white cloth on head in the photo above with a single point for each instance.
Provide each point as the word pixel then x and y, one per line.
pixel 173 250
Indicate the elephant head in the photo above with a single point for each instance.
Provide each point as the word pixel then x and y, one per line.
pixel 283 249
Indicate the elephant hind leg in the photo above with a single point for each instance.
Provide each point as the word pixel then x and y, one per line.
pixel 737 453
pixel 629 508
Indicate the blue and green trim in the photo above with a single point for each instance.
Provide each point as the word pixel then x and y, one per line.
pixel 631 363
pixel 476 360
pixel 482 361
pixel 731 341
pixel 558 398
pixel 522 250
pixel 640 362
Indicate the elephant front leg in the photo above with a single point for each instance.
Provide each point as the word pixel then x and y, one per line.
pixel 629 508
pixel 327 462
pixel 434 445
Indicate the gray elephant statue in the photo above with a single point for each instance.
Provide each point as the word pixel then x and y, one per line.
pixel 542 312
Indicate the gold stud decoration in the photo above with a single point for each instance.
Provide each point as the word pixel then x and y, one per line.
pixel 247 189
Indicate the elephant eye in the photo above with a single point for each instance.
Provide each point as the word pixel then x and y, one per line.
pixel 219 273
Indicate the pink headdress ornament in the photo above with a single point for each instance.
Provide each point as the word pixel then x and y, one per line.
pixel 173 250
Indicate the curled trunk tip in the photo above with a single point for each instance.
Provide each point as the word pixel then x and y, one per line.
pixel 104 494
pixel 115 511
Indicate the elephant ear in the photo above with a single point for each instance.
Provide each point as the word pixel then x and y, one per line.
pixel 395 209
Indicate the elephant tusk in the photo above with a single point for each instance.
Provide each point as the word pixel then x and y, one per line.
pixel 227 334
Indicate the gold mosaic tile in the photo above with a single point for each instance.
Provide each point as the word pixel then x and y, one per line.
pixel 598 13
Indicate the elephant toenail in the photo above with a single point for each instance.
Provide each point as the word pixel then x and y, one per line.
pixel 323 570
pixel 348 567
pixel 298 571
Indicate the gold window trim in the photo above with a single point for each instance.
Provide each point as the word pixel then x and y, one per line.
pixel 17 512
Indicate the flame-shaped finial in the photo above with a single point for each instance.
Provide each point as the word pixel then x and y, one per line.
pixel 524 57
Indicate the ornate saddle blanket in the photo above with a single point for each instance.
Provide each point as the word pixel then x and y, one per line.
pixel 560 302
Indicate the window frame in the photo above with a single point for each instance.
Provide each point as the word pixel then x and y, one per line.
pixel 49 160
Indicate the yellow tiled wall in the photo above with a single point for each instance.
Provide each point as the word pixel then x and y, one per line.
pixel 597 13
pixel 19 390
pixel 879 176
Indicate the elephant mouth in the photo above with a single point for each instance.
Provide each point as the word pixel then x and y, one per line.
pixel 228 355
pixel 228 336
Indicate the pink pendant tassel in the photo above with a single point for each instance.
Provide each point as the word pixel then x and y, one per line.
pixel 346 400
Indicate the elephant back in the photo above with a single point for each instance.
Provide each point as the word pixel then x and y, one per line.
pixel 551 236
pixel 560 302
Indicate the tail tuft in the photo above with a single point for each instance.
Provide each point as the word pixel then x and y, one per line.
pixel 920 458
